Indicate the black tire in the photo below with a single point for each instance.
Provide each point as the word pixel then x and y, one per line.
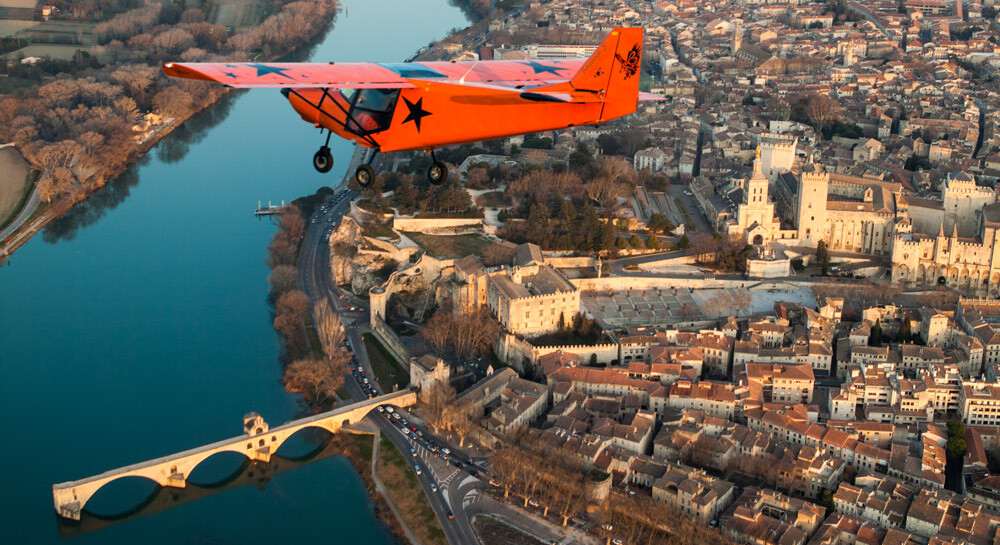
pixel 364 175
pixel 323 160
pixel 437 174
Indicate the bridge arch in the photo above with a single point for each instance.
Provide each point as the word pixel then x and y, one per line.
pixel 259 443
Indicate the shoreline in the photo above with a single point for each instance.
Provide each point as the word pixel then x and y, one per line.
pixel 54 210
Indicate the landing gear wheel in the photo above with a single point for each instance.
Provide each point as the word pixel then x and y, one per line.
pixel 364 175
pixel 323 160
pixel 437 174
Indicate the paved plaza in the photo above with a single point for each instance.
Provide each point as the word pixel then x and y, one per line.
pixel 655 306
pixel 622 308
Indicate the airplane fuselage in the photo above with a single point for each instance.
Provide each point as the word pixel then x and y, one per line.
pixel 435 115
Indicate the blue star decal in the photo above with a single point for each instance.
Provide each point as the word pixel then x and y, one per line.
pixel 417 112
pixel 264 69
pixel 230 74
pixel 540 68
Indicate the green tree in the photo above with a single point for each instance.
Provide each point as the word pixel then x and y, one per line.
pixel 956 448
pixel 622 243
pixel 826 500
pixel 684 242
pixel 635 241
pixel 658 223
pixel 652 242
pixel 875 338
pixel 905 331
pixel 823 256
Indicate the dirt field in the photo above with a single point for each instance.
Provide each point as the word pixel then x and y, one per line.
pixel 450 246
pixel 13 181
pixel 60 52
pixel 8 26
pixel 27 4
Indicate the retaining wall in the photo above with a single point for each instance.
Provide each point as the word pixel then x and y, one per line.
pixel 422 224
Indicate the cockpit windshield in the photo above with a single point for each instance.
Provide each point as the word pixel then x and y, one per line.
pixel 371 109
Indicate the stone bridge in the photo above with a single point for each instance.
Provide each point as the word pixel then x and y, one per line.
pixel 257 443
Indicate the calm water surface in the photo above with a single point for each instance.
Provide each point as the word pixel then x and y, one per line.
pixel 139 326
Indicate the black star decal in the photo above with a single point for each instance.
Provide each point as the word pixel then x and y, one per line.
pixel 263 69
pixel 230 74
pixel 417 112
pixel 540 68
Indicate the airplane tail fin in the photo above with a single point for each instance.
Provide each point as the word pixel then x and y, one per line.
pixel 612 72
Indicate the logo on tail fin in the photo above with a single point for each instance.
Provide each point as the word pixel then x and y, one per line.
pixel 630 65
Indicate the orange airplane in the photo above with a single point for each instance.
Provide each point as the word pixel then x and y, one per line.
pixel 430 105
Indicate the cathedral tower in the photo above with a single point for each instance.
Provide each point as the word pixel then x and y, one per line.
pixel 814 186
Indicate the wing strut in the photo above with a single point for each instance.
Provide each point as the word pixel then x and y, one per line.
pixel 349 118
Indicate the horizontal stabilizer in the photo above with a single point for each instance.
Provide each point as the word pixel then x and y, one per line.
pixel 547 97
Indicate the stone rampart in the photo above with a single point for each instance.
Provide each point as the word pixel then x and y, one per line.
pixel 391 341
pixel 427 224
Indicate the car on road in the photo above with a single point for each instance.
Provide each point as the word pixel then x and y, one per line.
pixel 417 470
pixel 413 428
pixel 451 516
pixel 413 452
pixel 381 409
pixel 434 487
pixel 617 541
pixel 395 415
pixel 406 431
pixel 446 450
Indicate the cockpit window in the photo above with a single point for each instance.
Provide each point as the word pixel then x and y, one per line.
pixel 371 109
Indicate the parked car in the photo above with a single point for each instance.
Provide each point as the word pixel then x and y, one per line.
pixel 446 450
pixel 417 470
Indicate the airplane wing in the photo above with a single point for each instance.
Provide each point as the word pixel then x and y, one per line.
pixel 348 75
pixel 362 75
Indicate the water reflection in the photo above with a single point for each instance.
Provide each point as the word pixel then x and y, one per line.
pixel 172 149
pixel 94 207
pixel 163 498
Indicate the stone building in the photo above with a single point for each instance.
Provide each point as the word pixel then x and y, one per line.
pixel 755 217
pixel 427 369
pixel 777 154
pixel 532 300
pixel 962 262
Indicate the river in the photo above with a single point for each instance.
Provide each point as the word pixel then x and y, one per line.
pixel 138 325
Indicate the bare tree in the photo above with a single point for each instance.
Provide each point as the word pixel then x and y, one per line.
pixel 316 379
pixel 497 254
pixel 821 110
pixel 742 300
pixel 283 278
pixel 328 327
pixel 703 247
pixel 465 335
pixel 435 401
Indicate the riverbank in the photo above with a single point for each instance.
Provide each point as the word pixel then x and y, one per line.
pixel 281 48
